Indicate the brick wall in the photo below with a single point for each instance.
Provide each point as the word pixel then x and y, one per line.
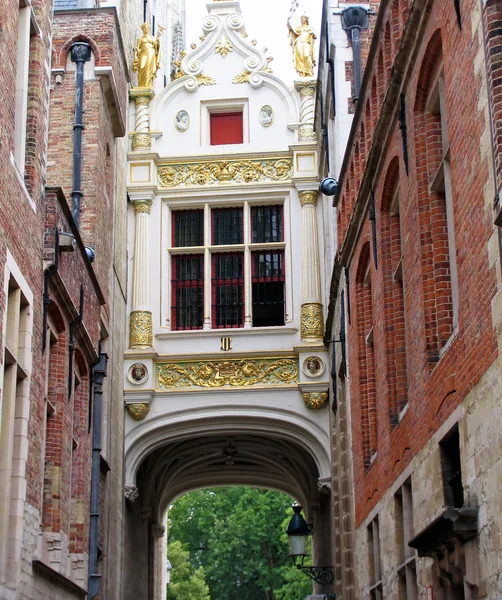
pixel 434 390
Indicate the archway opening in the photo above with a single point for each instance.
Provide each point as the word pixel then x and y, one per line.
pixel 231 542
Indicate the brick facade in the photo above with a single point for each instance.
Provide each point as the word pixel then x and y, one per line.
pixel 424 335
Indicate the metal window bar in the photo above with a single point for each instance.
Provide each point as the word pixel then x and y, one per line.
pixel 267 289
pixel 188 228
pixel 187 309
pixel 227 290
pixel 266 224
pixel 227 226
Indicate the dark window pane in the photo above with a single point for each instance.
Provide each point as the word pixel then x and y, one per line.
pixel 266 224
pixel 228 290
pixel 187 292
pixel 267 289
pixel 227 226
pixel 188 228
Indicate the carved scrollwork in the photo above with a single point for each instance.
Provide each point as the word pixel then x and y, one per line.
pixel 228 373
pixel 214 173
pixel 131 493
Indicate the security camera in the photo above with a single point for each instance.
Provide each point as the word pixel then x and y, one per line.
pixel 90 253
pixel 328 186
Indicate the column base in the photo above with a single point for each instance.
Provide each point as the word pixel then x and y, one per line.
pixel 311 322
pixel 140 329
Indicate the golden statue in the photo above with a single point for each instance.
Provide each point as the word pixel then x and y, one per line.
pixel 147 56
pixel 302 41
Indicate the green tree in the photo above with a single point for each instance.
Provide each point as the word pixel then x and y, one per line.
pixel 186 583
pixel 237 535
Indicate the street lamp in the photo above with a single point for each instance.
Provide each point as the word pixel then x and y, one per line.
pixel 298 532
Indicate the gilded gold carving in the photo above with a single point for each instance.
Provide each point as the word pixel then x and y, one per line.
pixel 147 56
pixel 308 197
pixel 223 47
pixel 141 141
pixel 315 400
pixel 228 373
pixel 306 89
pixel 140 328
pixel 302 41
pixel 311 321
pixel 143 100
pixel 242 77
pixel 214 173
pixel 142 206
pixel 205 79
pixel 306 132
pixel 138 411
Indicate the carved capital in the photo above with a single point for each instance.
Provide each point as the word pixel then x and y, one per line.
pixel 131 493
pixel 306 89
pixel 315 400
pixel 141 141
pixel 142 206
pixel 158 531
pixel 138 411
pixel 306 132
pixel 140 329
pixel 311 321
pixel 308 197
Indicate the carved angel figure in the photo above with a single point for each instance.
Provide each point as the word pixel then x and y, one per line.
pixel 302 41
pixel 147 57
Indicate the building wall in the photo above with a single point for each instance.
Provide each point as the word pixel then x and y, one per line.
pixel 459 383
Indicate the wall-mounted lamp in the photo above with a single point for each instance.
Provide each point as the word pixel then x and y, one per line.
pixel 298 532
pixel 328 186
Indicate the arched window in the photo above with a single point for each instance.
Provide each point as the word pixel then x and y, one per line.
pixel 437 235
pixel 367 383
pixel 392 264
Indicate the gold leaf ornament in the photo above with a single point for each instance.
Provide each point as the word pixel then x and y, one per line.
pixel 229 373
pixel 223 47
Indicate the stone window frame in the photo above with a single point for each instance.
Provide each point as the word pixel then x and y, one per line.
pixel 407 565
pixel 208 248
pixel 15 380
pixel 375 559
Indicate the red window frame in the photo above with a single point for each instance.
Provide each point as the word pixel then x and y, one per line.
pixel 177 284
pixel 226 128
pixel 231 281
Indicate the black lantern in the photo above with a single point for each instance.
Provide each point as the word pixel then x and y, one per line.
pixel 298 532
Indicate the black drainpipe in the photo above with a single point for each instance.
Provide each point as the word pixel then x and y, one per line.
pixel 80 54
pixel 354 19
pixel 94 576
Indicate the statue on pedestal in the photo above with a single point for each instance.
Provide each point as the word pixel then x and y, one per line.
pixel 302 41
pixel 147 56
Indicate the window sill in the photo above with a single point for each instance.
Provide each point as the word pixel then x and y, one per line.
pixel 227 332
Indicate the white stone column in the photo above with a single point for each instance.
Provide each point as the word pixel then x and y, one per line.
pixel 312 323
pixel 140 320
pixel 307 88
pixel 141 140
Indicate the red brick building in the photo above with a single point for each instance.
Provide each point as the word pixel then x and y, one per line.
pixel 62 301
pixel 415 304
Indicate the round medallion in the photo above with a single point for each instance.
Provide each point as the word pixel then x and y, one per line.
pixel 138 373
pixel 266 115
pixel 313 366
pixel 182 120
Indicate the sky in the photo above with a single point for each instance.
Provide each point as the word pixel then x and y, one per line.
pixel 266 22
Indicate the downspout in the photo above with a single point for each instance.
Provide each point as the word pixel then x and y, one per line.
pixel 354 19
pixel 80 54
pixel 94 576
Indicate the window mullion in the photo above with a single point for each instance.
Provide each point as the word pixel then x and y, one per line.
pixel 207 286
pixel 248 317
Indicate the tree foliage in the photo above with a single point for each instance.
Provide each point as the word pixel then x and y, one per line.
pixel 186 583
pixel 237 535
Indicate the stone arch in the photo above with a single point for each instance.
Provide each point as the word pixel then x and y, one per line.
pixel 80 37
